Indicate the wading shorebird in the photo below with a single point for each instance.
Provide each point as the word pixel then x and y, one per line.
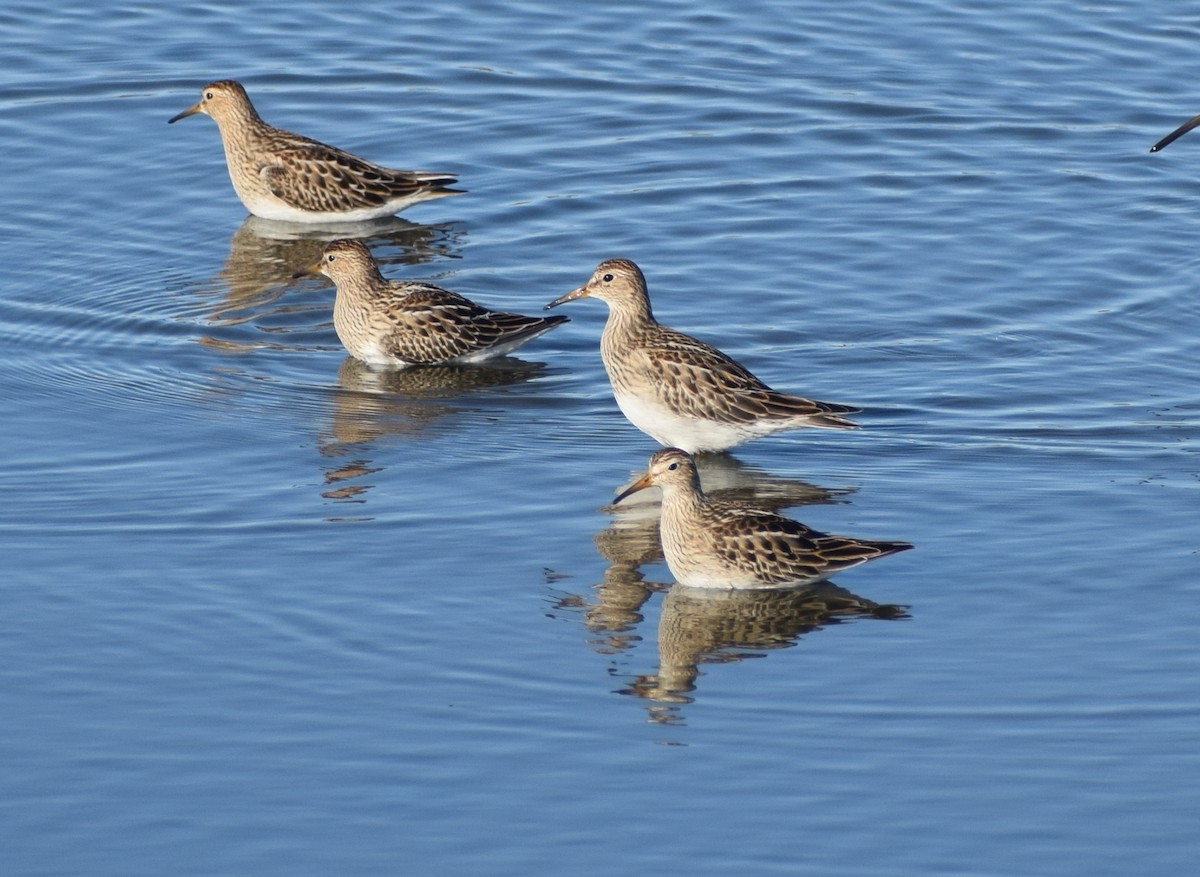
pixel 712 543
pixel 678 390
pixel 284 176
pixel 404 322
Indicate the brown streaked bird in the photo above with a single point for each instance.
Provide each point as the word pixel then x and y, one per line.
pixel 712 543
pixel 682 392
pixel 1191 123
pixel 405 322
pixel 284 176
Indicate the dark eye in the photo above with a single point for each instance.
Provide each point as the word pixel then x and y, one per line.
pixel 608 278
pixel 673 466
pixel 331 258
pixel 208 95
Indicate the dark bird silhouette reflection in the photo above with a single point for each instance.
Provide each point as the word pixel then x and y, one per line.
pixel 372 404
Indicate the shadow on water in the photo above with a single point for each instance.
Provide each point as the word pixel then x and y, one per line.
pixel 265 256
pixel 696 625
pixel 370 404
pixel 702 626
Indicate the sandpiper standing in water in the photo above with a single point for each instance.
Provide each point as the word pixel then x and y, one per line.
pixel 284 176
pixel 712 543
pixel 682 392
pixel 405 322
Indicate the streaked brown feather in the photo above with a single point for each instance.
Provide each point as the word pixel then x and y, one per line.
pixel 711 543
pixel 413 322
pixel 680 390
pixel 279 174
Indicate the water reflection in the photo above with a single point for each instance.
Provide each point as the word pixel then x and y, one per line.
pixel 704 626
pixel 370 404
pixel 697 625
pixel 265 255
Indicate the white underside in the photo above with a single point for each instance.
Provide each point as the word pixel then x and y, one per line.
pixel 691 434
pixel 494 352
pixel 724 585
pixel 709 581
pixel 373 354
pixel 700 579
pixel 273 208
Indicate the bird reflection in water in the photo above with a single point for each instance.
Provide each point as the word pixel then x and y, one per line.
pixel 706 626
pixel 372 404
pixel 699 626
pixel 632 541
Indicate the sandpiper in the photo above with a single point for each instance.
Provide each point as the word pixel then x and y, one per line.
pixel 712 543
pixel 682 392
pixel 405 322
pixel 284 176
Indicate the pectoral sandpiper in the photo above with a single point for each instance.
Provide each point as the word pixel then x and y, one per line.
pixel 712 543
pixel 404 322
pixel 682 392
pixel 284 176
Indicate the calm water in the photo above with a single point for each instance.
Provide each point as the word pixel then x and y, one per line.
pixel 269 613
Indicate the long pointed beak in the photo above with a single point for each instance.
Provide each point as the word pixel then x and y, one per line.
pixel 313 270
pixel 641 484
pixel 581 292
pixel 190 111
pixel 1176 134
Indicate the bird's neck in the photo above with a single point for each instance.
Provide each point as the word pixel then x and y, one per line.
pixel 362 289
pixel 241 126
pixel 681 501
pixel 628 317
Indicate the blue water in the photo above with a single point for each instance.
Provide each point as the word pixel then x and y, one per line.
pixel 266 612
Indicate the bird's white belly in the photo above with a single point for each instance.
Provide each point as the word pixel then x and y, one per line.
pixel 691 434
pixel 267 206
pixel 495 351
pixel 372 353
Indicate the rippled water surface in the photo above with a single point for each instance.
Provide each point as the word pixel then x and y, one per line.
pixel 268 612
